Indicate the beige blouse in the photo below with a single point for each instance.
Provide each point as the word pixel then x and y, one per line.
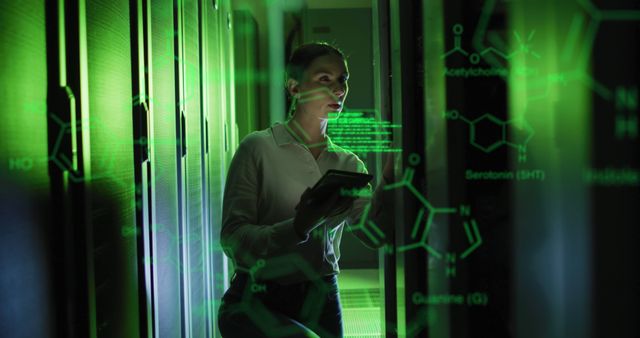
pixel 269 172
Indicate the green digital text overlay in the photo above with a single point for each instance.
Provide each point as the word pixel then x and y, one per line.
pixel 612 177
pixel 360 132
pixel 626 106
pixel 25 163
pixel 506 175
pixel 468 299
pixel 355 192
pixel 467 72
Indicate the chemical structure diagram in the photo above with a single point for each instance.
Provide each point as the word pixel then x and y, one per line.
pixel 68 160
pixel 423 225
pixel 272 268
pixel 584 26
pixel 625 97
pixel 488 121
pixel 255 287
pixel 474 58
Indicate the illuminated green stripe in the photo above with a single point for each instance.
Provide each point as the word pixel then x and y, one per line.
pixel 433 251
pixel 414 231
pixel 476 244
pixel 376 229
pixel 468 232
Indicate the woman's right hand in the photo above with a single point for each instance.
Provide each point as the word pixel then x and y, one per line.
pixel 311 213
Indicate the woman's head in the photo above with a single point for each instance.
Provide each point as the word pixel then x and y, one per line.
pixel 317 77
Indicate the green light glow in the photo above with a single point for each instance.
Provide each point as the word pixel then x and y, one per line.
pixel 543 127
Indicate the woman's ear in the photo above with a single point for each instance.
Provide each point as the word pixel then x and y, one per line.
pixel 292 87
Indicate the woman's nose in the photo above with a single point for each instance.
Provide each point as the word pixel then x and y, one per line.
pixel 339 90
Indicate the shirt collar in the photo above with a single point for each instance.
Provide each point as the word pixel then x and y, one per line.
pixel 282 136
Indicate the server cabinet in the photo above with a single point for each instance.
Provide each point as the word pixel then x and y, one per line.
pixel 192 138
pixel 164 146
pixel 213 155
pixel 188 102
pixel 107 125
pixel 132 109
pixel 26 276
pixel 23 143
pixel 217 147
pixel 90 161
pixel 129 286
pixel 190 105
pixel 222 137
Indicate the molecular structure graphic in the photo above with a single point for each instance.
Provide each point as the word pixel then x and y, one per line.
pixel 255 287
pixel 423 225
pixel 474 58
pixel 277 267
pixel 578 45
pixel 625 97
pixel 490 121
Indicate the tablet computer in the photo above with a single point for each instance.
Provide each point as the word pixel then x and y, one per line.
pixel 334 181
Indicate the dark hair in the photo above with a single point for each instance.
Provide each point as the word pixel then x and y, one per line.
pixel 304 55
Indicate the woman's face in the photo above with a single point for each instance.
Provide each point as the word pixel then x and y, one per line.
pixel 324 87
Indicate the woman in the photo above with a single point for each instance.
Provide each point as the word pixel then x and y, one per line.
pixel 286 252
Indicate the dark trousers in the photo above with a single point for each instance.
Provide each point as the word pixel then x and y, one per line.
pixel 267 309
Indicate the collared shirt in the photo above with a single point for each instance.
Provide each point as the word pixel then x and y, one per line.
pixel 267 176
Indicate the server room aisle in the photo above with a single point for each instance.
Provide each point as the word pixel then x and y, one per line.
pixel 512 203
pixel 361 297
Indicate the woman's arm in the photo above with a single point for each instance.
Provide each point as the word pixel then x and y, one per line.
pixel 242 238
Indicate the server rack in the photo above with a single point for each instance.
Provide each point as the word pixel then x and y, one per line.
pixel 136 99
